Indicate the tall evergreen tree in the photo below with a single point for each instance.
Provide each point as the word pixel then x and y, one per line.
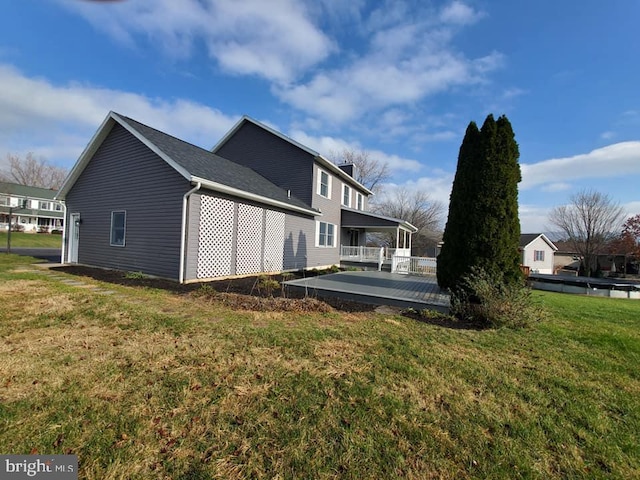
pixel 455 255
pixel 483 229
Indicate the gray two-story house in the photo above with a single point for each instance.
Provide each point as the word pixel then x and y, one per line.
pixel 141 200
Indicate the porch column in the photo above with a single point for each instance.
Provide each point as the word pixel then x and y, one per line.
pixel 397 238
pixel 410 236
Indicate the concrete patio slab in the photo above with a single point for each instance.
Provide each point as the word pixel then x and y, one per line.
pixel 377 288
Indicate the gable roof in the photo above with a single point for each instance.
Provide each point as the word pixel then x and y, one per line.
pixel 16 189
pixel 325 163
pixel 195 164
pixel 527 238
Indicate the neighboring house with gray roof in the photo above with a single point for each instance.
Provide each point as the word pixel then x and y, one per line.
pixel 537 252
pixel 33 209
pixel 141 200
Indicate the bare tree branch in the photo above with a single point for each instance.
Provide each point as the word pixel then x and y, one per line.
pixel 417 208
pixel 588 223
pixel 370 172
pixel 33 172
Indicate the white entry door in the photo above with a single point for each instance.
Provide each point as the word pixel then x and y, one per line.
pixel 74 237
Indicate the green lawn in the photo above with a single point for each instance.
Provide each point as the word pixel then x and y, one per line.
pixel 31 240
pixel 150 384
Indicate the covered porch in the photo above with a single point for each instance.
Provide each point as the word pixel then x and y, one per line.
pixel 356 225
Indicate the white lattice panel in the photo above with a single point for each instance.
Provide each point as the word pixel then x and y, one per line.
pixel 215 240
pixel 274 241
pixel 249 238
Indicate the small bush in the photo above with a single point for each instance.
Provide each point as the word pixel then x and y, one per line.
pixel 334 269
pixel 134 275
pixel 267 285
pixel 56 232
pixel 485 300
pixel 16 227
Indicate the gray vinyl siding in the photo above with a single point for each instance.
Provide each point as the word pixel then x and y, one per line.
pixel 279 161
pixel 299 243
pixel 125 175
pixel 331 212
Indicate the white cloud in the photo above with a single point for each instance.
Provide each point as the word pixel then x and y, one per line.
pixel 276 39
pixel 616 160
pixel 328 146
pixel 459 13
pixel 408 58
pixel 608 135
pixel 533 219
pixel 438 185
pixel 57 121
pixel 632 208
pixel 556 187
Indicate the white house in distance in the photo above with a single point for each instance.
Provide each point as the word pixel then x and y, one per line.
pixel 33 209
pixel 537 252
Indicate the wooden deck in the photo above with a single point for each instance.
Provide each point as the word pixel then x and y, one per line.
pixel 377 288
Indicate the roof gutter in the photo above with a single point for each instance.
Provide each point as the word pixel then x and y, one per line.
pixel 218 187
pixel 183 232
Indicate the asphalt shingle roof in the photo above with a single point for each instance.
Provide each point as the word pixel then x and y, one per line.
pixel 527 238
pixel 209 166
pixel 26 191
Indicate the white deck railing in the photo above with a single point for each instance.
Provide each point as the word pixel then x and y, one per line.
pixel 414 265
pixel 363 254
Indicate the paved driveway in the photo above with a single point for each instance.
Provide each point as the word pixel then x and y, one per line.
pixel 51 255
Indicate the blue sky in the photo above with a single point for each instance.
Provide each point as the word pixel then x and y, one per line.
pixel 401 80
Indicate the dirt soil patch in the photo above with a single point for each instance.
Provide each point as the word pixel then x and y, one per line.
pixel 246 293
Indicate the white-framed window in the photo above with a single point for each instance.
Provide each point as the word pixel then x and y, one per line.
pixel 324 184
pixel 538 255
pixel 58 207
pixel 4 200
pixel 359 201
pixel 44 206
pixel 346 195
pixel 326 234
pixel 118 228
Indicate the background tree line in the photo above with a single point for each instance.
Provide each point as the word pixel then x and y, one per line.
pixel 32 171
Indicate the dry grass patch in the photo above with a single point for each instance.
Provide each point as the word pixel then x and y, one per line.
pixel 158 384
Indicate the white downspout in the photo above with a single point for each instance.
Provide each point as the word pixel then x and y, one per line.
pixel 183 233
pixel 64 234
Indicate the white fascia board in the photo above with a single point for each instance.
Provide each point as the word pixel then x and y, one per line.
pixel 152 146
pixel 549 242
pixel 341 173
pixel 219 187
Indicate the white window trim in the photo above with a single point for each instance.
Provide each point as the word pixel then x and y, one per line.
pixel 334 239
pixel 535 256
pixel 124 236
pixel 350 190
pixel 329 181
pixel 359 201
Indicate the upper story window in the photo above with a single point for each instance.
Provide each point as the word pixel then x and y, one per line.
pixel 44 206
pixel 346 195
pixel 324 184
pixel 538 255
pixel 57 207
pixel 359 201
pixel 118 228
pixel 4 200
